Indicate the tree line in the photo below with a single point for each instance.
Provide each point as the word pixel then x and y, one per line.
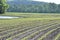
pixel 32 7
pixel 35 8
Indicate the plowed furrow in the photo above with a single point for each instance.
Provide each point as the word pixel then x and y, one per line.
pixel 40 33
pixel 52 35
pixel 45 35
pixel 4 37
pixel 13 30
pixel 28 33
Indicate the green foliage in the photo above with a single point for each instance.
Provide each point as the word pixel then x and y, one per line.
pixel 37 7
pixel 3 6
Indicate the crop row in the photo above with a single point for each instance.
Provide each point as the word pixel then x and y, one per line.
pixel 20 35
pixel 27 30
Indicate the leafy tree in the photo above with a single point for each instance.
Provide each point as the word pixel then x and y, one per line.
pixel 3 6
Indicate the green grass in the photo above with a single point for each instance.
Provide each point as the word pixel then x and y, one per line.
pixel 11 28
pixel 32 15
pixel 57 37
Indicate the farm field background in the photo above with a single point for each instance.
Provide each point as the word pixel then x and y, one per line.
pixel 30 26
